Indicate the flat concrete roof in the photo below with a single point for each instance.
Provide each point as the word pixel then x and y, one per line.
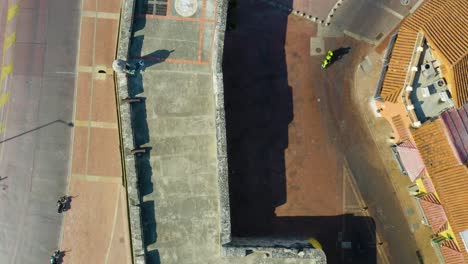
pixel 428 85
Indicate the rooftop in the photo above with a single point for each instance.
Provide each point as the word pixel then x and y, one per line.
pixel 447 174
pixel 456 122
pixel 439 22
pixel 410 160
pixel 430 95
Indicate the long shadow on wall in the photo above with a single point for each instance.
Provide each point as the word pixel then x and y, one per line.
pixel 259 107
pixel 147 207
pixel 136 85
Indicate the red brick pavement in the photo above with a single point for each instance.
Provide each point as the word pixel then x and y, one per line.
pixel 96 227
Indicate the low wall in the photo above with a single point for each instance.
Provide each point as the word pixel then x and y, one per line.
pixel 218 86
pixel 127 139
pixel 386 59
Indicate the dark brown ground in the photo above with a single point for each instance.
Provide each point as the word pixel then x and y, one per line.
pixel 284 161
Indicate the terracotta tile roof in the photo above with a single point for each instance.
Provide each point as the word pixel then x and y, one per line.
pixel 447 174
pixel 401 128
pixel 398 65
pixel 430 197
pixel 456 123
pixel 461 81
pixel 411 161
pixel 444 226
pixel 443 23
pixel 423 14
pixel 435 215
pixel 428 184
pixel 407 144
pixel 434 147
pixel 447 30
pixel 451 253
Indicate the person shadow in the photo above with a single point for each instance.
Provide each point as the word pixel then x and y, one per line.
pixel 68 202
pixel 61 256
pixel 338 54
pixel 150 59
pixel 156 57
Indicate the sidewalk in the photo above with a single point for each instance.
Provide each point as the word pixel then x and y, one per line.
pixel 381 133
pixel 96 226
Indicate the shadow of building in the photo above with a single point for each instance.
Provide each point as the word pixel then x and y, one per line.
pixel 258 103
pixel 259 108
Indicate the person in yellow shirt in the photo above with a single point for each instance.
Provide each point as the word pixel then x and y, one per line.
pixel 325 63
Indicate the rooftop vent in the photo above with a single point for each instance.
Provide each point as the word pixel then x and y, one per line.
pixel 428 70
pixel 443 96
pixel 440 84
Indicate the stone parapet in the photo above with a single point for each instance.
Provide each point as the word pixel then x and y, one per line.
pixel 218 87
pixel 127 137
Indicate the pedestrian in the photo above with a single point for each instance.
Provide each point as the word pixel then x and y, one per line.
pixel 121 66
pixel 324 64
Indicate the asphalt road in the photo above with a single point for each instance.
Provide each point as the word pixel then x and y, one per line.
pixel 35 143
pixel 362 154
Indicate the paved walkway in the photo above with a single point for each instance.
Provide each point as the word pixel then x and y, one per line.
pixel 96 227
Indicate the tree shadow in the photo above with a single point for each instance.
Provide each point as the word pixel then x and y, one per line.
pixel 259 108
